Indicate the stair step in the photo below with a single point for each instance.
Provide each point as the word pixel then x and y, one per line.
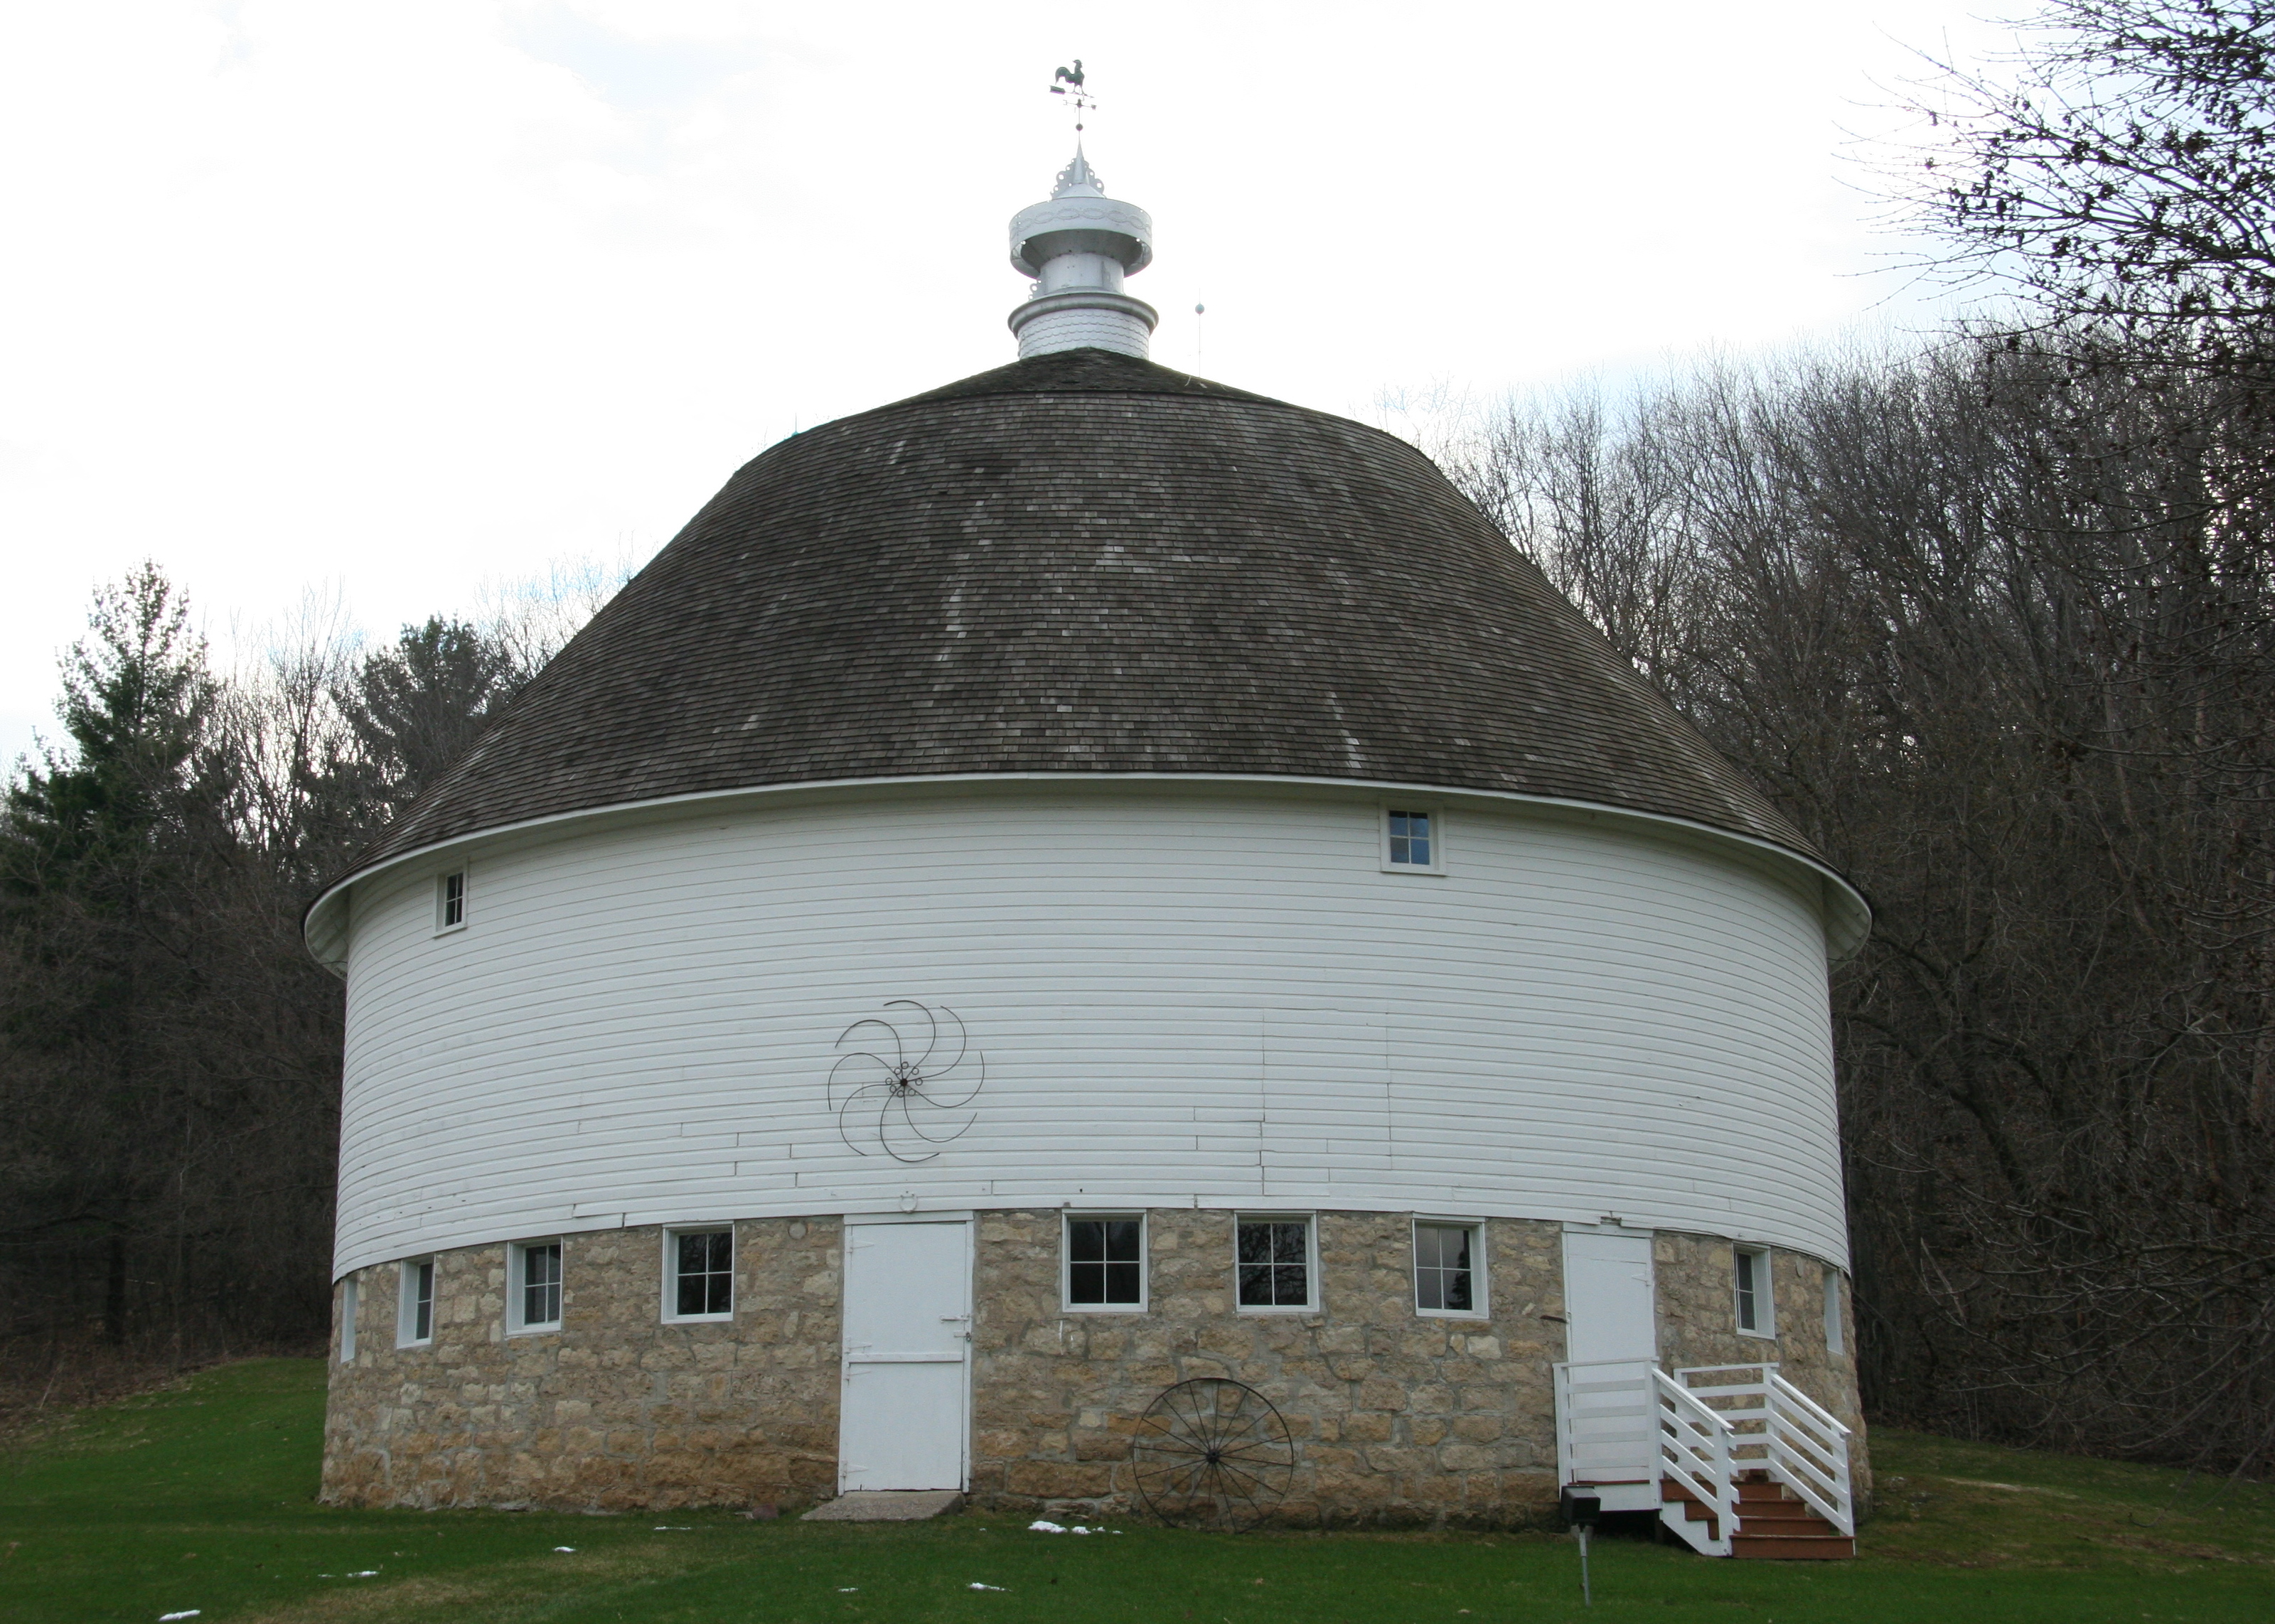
pixel 1779 1528
pixel 1828 1546
pixel 1773 1511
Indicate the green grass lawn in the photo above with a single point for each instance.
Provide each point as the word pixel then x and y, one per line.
pixel 202 1497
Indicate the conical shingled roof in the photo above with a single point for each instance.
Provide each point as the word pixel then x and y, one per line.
pixel 1085 563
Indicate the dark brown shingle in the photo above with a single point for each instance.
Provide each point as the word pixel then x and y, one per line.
pixel 1081 563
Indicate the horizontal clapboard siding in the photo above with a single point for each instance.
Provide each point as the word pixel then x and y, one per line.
pixel 1210 996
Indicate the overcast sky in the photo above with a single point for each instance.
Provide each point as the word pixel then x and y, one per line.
pixel 394 300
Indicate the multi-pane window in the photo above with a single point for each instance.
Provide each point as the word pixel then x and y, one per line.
pixel 1273 1262
pixel 1834 1340
pixel 450 902
pixel 537 1286
pixel 347 1320
pixel 1105 1262
pixel 1755 1309
pixel 702 1273
pixel 415 1323
pixel 1410 838
pixel 1445 1266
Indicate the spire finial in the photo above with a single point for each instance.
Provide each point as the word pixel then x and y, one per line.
pixel 1078 179
pixel 1079 246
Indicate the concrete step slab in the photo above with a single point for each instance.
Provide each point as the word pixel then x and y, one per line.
pixel 885 1506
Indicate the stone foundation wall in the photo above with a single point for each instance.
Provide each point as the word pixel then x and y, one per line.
pixel 614 1411
pixel 1695 1277
pixel 1397 1417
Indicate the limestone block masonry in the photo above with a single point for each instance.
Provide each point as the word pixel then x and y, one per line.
pixel 615 1409
pixel 1397 1418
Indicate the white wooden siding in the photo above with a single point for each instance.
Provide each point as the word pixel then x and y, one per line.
pixel 1211 996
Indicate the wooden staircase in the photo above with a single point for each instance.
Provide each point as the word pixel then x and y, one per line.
pixel 1736 1460
pixel 1773 1524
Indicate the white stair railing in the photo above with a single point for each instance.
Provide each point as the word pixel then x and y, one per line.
pixel 1780 1429
pixel 1695 1444
pixel 1604 1432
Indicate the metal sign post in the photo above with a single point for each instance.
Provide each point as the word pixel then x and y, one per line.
pixel 1581 1514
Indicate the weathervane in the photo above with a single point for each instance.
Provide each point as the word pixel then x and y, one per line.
pixel 1069 82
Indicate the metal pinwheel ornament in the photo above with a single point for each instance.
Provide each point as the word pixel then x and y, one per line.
pixel 903 1084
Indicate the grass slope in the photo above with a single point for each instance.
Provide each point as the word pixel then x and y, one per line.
pixel 202 1497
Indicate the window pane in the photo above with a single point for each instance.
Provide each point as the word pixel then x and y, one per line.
pixel 1086 1240
pixel 1428 1292
pixel 540 1297
pixel 1255 1285
pixel 1121 1240
pixel 1122 1284
pixel 1288 1285
pixel 692 1295
pixel 1418 852
pixel 1255 1242
pixel 1086 1282
pixel 1288 1243
pixel 422 1322
pixel 1457 1290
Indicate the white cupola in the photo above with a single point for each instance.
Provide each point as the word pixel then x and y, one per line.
pixel 1079 246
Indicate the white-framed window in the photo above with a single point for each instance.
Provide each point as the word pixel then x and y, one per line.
pixel 1275 1263
pixel 347 1320
pixel 1835 1338
pixel 1449 1268
pixel 414 1303
pixel 451 901
pixel 532 1298
pixel 1757 1302
pixel 1104 1263
pixel 699 1273
pixel 1413 840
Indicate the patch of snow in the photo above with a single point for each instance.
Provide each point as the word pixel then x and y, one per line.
pixel 1038 1526
pixel 168 1618
pixel 978 1586
pixel 566 1550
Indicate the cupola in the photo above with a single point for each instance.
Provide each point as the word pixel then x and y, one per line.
pixel 1079 246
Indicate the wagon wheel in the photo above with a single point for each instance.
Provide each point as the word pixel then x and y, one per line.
pixel 1211 1454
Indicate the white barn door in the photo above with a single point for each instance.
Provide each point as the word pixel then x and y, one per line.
pixel 1608 1309
pixel 904 1401
pixel 1607 1420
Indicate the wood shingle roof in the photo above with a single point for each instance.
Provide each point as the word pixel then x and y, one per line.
pixel 1085 562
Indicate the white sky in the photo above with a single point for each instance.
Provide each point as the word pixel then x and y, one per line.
pixel 392 299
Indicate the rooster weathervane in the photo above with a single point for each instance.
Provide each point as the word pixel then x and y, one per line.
pixel 1069 82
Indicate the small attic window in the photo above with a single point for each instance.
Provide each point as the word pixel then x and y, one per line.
pixel 1413 840
pixel 450 902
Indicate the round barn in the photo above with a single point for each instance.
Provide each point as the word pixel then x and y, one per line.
pixel 1096 940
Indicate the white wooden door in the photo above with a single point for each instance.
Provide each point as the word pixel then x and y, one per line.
pixel 903 1402
pixel 1607 1420
pixel 1608 1309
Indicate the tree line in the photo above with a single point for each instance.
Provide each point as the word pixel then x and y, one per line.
pixel 1991 617
pixel 170 1054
